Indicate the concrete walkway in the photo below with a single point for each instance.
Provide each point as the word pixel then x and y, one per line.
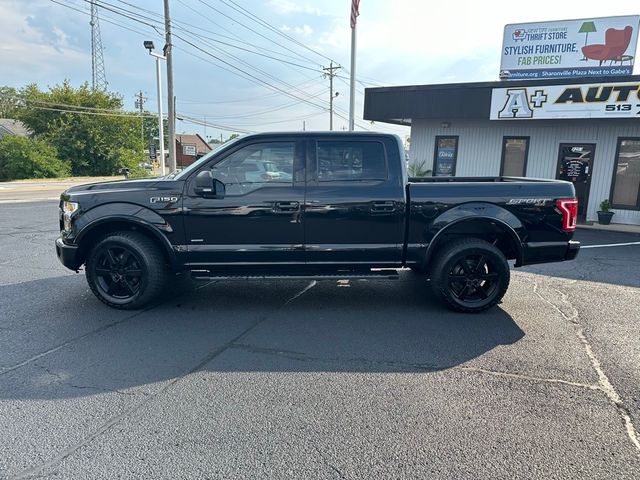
pixel 614 227
pixel 21 191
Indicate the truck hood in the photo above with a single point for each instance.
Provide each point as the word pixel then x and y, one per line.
pixel 123 189
pixel 137 184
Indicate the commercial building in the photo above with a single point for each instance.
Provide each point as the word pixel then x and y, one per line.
pixel 189 148
pixel 583 130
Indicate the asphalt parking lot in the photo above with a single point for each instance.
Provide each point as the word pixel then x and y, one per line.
pixel 363 379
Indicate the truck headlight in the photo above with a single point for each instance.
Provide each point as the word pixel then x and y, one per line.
pixel 68 209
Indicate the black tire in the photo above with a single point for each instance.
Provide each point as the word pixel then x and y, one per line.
pixel 126 270
pixel 470 275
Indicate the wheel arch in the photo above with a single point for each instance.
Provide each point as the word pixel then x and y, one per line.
pixel 88 235
pixel 489 228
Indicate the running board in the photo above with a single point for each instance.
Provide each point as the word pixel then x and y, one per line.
pixel 386 274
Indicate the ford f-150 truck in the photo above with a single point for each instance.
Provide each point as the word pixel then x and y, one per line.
pixel 321 205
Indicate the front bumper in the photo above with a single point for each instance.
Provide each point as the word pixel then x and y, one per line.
pixel 68 255
pixel 547 252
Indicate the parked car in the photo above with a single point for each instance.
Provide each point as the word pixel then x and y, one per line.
pixel 346 210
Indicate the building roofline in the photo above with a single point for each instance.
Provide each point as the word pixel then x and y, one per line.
pixel 403 104
pixel 507 83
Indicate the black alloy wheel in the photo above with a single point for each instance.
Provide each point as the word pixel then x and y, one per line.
pixel 118 273
pixel 470 275
pixel 473 278
pixel 126 270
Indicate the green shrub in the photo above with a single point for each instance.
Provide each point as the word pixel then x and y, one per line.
pixel 419 169
pixel 22 157
pixel 605 205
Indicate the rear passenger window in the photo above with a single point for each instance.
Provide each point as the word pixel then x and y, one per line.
pixel 345 161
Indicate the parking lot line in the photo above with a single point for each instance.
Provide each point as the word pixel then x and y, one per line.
pixel 610 245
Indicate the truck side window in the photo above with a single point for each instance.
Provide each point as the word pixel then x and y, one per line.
pixel 348 161
pixel 256 166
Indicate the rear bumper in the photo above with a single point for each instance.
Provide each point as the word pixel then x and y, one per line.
pixel 68 255
pixel 547 252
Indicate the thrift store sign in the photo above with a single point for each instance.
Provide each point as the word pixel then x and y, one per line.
pixel 570 48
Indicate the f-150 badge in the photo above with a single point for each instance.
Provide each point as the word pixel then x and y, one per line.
pixel 163 199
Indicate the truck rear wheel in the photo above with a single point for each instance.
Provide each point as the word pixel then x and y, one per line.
pixel 126 270
pixel 470 275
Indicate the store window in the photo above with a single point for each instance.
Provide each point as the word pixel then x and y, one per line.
pixel 626 176
pixel 445 156
pixel 515 152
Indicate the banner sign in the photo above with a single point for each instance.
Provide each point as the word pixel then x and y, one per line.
pixel 189 150
pixel 591 100
pixel 589 47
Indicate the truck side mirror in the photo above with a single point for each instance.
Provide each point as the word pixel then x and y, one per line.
pixel 207 186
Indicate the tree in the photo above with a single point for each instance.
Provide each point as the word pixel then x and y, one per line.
pixel 8 102
pixel 22 157
pixel 88 128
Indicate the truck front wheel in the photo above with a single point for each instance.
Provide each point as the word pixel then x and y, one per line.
pixel 470 275
pixel 126 270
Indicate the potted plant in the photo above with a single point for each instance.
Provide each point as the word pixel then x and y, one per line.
pixel 605 213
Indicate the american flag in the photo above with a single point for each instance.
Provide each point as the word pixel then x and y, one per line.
pixel 355 11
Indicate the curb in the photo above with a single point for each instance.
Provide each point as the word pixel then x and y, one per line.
pixel 618 228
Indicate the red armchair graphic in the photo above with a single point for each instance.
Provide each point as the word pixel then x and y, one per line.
pixel 616 43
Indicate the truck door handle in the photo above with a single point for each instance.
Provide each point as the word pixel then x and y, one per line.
pixel 287 206
pixel 383 207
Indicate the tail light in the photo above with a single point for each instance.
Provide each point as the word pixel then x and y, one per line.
pixel 569 209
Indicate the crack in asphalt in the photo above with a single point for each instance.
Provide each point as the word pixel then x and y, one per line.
pixel 38 469
pixel 418 367
pixel 62 381
pixel 605 384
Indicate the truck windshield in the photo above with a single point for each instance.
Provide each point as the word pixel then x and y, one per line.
pixel 184 173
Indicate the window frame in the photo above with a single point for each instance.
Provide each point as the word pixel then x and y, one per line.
pixel 504 152
pixel 455 153
pixel 298 162
pixel 313 154
pixel 613 177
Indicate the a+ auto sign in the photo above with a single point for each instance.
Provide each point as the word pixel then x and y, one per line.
pixel 594 100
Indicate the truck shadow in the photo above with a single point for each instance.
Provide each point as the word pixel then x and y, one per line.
pixel 76 347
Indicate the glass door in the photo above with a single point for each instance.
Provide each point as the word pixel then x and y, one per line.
pixel 575 164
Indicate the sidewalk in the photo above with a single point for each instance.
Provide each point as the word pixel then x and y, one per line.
pixel 20 191
pixel 614 227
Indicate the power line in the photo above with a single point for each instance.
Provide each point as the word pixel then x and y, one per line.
pixel 266 24
pixel 248 28
pixel 257 79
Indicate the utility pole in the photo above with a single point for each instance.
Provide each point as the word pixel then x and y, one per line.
pixel 330 72
pixel 140 106
pixel 168 52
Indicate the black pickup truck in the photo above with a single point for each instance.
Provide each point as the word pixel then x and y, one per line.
pixel 321 205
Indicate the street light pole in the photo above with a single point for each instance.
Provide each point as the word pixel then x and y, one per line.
pixel 149 46
pixel 160 119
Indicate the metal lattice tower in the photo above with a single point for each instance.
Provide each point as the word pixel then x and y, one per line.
pixel 98 75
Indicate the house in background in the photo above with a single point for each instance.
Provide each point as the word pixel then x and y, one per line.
pixel 189 148
pixel 13 127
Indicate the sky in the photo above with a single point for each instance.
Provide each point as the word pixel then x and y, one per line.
pixel 236 73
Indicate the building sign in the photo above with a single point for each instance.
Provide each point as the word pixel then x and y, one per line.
pixel 446 154
pixel 570 48
pixel 593 100
pixel 189 150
